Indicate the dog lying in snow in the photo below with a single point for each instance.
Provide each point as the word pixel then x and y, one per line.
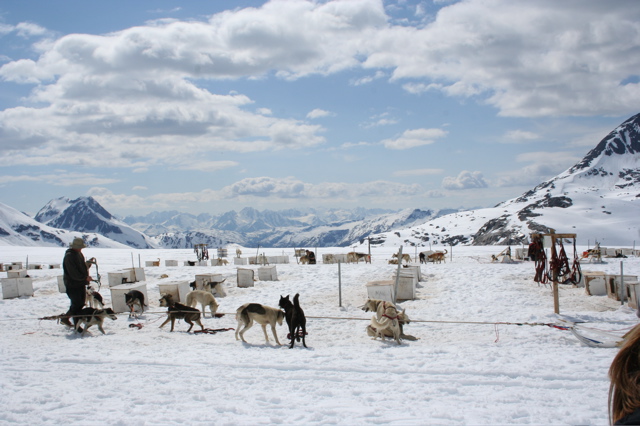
pixel 262 314
pixel 179 311
pixel 296 320
pixel 405 257
pixel 205 299
pixel 90 316
pixel 380 325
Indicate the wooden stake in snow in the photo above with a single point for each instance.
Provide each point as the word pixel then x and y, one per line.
pixel 395 289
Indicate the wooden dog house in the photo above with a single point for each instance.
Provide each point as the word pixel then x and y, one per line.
pixel 177 289
pixel 118 301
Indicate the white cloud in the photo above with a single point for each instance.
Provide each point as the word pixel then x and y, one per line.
pixel 319 113
pixel 542 166
pixel 520 136
pixel 464 180
pixel 414 138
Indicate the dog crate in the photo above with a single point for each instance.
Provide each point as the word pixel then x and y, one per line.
pixel 118 301
pixel 416 270
pixel 61 287
pixel 16 287
pixel 245 277
pixel 381 290
pixel 614 282
pixel 170 262
pixel 54 266
pixel 177 289
pixel 17 273
pixel 633 293
pixel 152 263
pixel 522 253
pixel 267 273
pixel 407 281
pixel 12 266
pixel 34 266
pixel 594 283
pixel 202 279
pixel 240 261
pixel 129 275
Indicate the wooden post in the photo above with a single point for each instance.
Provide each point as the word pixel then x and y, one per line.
pixel 554 272
pixel 395 289
pixel 554 275
pixel 339 285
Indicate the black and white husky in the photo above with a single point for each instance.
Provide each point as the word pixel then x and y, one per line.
pixel 263 315
pixel 90 316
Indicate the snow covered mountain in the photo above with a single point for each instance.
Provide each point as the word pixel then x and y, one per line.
pixel 292 233
pixel 19 229
pixel 598 199
pixel 85 214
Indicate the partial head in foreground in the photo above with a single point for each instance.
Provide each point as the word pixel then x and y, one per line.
pixel 624 373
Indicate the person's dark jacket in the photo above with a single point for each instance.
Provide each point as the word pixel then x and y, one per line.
pixel 631 419
pixel 75 269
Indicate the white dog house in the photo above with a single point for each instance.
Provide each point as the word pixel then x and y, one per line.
pixel 267 273
pixel 614 282
pixel 16 287
pixel 118 301
pixel 407 281
pixel 245 277
pixel 240 260
pixel 202 279
pixel 177 289
pixel 129 275
pixel 594 283
pixel 170 262
pixel 381 290
pixel 633 293
pixel 17 273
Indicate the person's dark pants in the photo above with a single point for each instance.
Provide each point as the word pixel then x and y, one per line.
pixel 77 296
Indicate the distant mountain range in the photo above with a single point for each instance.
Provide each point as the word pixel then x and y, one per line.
pixel 598 198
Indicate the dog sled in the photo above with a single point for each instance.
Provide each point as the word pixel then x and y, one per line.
pixel 594 337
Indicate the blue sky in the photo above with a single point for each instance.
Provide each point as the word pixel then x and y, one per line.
pixel 213 106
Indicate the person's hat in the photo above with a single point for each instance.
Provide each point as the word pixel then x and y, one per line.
pixel 78 243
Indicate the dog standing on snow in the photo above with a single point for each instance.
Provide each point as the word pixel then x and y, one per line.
pixel 205 299
pixel 132 299
pixel 91 316
pixel 263 315
pixel 296 320
pixel 180 311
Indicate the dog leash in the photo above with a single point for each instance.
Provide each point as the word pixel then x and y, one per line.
pixel 212 331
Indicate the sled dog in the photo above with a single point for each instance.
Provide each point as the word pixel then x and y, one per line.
pixel 91 316
pixel 179 311
pixel 205 299
pixel 296 320
pixel 263 315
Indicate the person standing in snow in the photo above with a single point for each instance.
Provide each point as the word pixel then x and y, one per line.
pixel 624 390
pixel 76 278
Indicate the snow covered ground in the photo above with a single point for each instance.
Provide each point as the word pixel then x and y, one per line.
pixel 467 367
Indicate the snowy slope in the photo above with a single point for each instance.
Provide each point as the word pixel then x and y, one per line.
pixel 18 229
pixel 486 354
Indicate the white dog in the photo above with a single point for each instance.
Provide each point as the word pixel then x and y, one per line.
pixel 388 321
pixel 263 315
pixel 205 299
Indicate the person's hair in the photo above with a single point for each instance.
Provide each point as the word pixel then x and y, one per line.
pixel 624 373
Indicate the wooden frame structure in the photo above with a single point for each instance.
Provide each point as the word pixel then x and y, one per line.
pixel 554 273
